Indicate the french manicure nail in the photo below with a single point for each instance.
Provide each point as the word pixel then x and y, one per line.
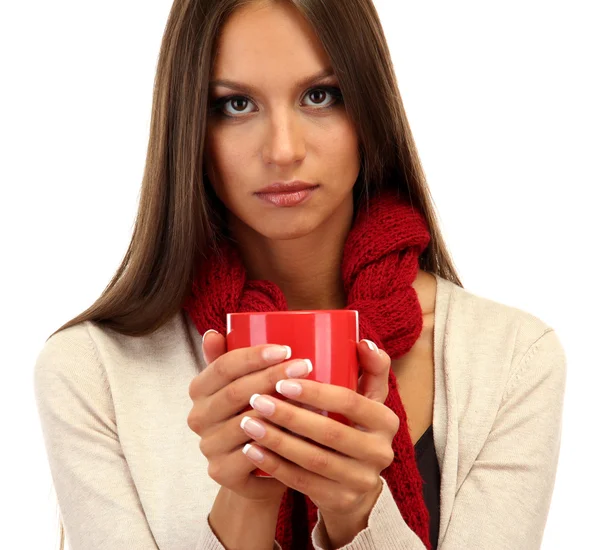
pixel 371 345
pixel 252 452
pixel 253 427
pixel 262 404
pixel 276 353
pixel 209 330
pixel 299 368
pixel 288 388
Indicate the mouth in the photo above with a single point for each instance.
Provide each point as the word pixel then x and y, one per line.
pixel 287 198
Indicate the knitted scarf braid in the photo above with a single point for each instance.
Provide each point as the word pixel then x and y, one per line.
pixel 379 265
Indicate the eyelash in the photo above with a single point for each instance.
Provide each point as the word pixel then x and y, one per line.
pixel 218 104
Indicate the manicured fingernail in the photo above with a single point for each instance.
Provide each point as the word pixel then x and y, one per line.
pixel 288 388
pixel 299 368
pixel 371 345
pixel 276 353
pixel 262 404
pixel 252 452
pixel 252 427
pixel 209 330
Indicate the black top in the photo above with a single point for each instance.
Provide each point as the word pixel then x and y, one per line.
pixel 430 472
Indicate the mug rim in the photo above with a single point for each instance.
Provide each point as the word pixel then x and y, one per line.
pixel 295 312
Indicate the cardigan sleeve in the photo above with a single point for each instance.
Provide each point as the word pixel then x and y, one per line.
pixel 96 494
pixel 503 502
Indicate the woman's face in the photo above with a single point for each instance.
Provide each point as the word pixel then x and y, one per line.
pixel 277 126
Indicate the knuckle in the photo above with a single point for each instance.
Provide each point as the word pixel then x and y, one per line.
pixel 287 416
pixel 318 461
pixel 347 501
pixel 351 402
pixel 301 482
pixel 317 392
pixel 215 470
pixel 233 394
pixel 194 421
pixel 220 368
pixel 273 375
pixel 253 359
pixel 390 419
pixel 205 446
pixel 332 435
pixel 367 481
pixel 194 387
pixel 276 440
pixel 386 457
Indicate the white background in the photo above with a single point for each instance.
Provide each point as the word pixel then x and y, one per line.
pixel 503 101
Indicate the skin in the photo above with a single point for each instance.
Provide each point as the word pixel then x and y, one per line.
pixel 282 132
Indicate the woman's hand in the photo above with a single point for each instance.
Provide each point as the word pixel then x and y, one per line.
pixel 337 466
pixel 220 394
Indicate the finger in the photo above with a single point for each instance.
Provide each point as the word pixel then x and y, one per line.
pixel 236 363
pixel 235 396
pixel 375 364
pixel 290 474
pixel 326 432
pixel 303 453
pixel 229 469
pixel 372 415
pixel 227 436
pixel 214 345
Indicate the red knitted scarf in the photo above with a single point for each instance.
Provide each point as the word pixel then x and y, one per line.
pixel 380 263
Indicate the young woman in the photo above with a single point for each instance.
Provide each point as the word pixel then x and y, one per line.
pixel 282 174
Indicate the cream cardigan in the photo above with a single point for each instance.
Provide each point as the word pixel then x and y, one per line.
pixel 129 475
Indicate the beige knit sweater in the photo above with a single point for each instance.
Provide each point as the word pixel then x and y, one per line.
pixel 129 474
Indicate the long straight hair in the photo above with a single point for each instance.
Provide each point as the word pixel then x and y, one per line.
pixel 180 217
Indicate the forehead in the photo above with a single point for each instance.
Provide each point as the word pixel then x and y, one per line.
pixel 266 44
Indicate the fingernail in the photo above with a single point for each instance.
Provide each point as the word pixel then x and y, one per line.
pixel 209 330
pixel 252 452
pixel 288 388
pixel 276 353
pixel 371 345
pixel 252 427
pixel 299 368
pixel 262 404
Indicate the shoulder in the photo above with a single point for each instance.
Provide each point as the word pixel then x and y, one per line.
pixel 71 349
pixel 88 355
pixel 496 360
pixel 488 346
pixel 492 327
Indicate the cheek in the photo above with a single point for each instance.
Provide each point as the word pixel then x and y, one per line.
pixel 340 152
pixel 225 161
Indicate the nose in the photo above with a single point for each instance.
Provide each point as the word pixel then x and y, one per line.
pixel 285 140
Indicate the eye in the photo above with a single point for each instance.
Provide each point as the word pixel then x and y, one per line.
pixel 240 103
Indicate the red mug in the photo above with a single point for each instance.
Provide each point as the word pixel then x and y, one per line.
pixel 327 337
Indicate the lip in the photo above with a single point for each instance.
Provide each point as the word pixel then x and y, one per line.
pixel 287 187
pixel 288 198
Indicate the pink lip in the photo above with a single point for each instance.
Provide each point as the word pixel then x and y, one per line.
pixel 287 187
pixel 286 199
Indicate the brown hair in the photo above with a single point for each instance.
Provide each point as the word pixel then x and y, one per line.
pixel 179 216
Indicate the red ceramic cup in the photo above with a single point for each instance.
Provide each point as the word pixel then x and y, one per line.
pixel 327 337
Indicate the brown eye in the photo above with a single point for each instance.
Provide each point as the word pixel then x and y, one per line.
pixel 315 94
pixel 239 103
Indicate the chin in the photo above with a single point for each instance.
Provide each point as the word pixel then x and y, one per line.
pixel 276 231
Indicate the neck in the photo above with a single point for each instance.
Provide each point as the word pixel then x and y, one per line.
pixel 307 269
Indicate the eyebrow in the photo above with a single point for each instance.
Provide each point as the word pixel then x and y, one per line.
pixel 247 88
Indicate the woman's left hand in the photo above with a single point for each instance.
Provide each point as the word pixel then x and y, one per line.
pixel 337 466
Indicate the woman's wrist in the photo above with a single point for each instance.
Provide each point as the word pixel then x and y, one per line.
pixel 342 529
pixel 242 523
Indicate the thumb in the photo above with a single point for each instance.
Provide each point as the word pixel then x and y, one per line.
pixel 214 345
pixel 375 365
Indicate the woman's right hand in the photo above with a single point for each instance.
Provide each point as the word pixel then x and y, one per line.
pixel 221 394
